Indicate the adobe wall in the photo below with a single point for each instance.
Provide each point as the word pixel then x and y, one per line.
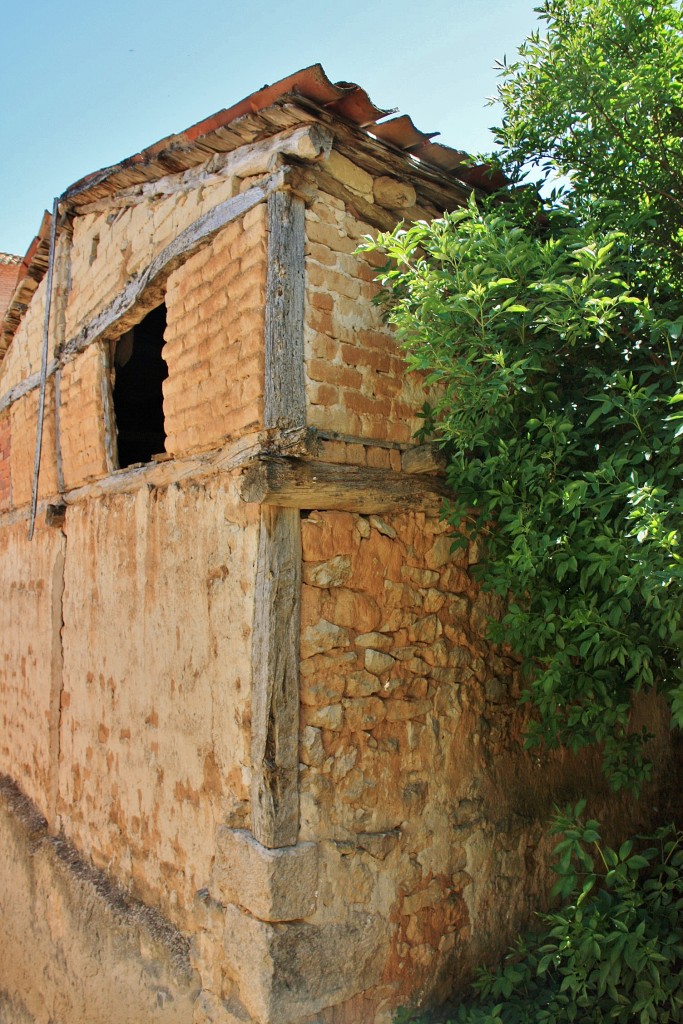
pixel 125 684
pixel 134 644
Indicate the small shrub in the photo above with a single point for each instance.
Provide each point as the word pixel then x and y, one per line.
pixel 613 951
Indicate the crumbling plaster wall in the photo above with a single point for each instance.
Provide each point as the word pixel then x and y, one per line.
pixel 158 605
pixel 30 623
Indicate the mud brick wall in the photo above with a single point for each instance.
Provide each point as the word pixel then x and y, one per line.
pixel 356 380
pixel 156 683
pixel 5 474
pixel 9 271
pixel 110 246
pixel 23 356
pixel 214 338
pixel 82 417
pixel 24 419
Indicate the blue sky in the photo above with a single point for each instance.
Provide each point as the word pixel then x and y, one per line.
pixel 87 84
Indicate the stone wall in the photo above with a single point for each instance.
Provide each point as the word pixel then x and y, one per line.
pixel 405 710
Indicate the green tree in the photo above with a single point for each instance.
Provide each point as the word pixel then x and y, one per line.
pixel 551 333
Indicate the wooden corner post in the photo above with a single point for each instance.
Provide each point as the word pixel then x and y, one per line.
pixel 277 616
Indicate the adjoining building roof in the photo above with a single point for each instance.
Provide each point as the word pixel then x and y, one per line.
pixel 268 110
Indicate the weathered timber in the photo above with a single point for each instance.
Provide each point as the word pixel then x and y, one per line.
pixel 25 386
pixel 143 292
pixel 285 392
pixel 292 483
pixel 432 184
pixel 424 458
pixel 307 143
pixel 275 682
pixel 111 450
pixel 336 435
pixel 300 442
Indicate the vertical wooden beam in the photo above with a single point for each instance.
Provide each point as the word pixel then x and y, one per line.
pixel 275 679
pixel 285 393
pixel 108 416
pixel 277 616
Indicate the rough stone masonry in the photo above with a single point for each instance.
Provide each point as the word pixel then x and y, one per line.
pixel 261 765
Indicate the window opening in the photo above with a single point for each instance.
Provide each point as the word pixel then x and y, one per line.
pixel 139 372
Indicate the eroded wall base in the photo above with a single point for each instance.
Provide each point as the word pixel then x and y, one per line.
pixel 75 948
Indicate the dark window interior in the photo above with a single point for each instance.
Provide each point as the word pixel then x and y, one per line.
pixel 138 399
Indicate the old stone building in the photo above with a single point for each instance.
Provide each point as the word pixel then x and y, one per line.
pixel 260 765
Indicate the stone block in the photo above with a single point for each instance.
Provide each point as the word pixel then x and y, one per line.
pixel 362 684
pixel 393 194
pixel 273 885
pixel 380 641
pixel 377 662
pixel 323 636
pixel 319 690
pixel 286 972
pixel 358 180
pixel 311 750
pixel 363 713
pixel 333 573
pixel 330 717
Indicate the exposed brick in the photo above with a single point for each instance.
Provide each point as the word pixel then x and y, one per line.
pixel 215 341
pixel 323 394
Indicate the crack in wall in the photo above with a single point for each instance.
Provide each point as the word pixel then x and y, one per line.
pixel 56 680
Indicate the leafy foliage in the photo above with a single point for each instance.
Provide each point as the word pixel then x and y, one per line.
pixel 552 335
pixel 598 98
pixel 612 952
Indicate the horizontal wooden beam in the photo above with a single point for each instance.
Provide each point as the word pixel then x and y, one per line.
pixel 292 483
pixel 300 443
pixel 424 458
pixel 145 290
pixel 306 144
pixel 25 386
